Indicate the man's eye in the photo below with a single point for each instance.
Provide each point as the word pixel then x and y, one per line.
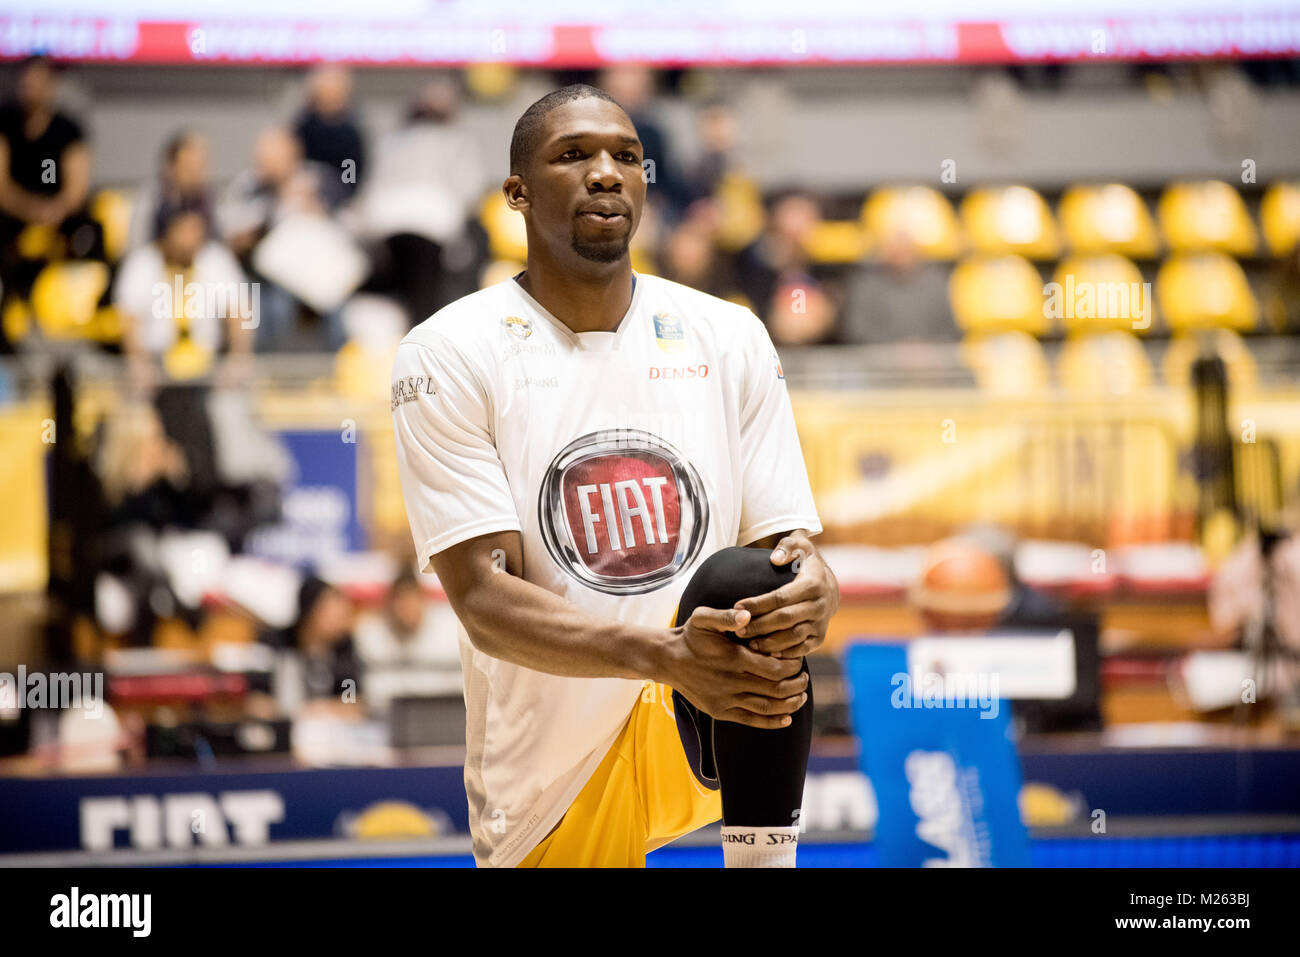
pixel 571 154
pixel 628 157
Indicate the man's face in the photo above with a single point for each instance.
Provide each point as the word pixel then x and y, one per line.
pixel 36 87
pixel 583 189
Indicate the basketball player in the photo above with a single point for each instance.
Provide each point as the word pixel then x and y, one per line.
pixel 581 450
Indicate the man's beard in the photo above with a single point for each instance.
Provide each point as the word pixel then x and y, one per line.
pixel 607 252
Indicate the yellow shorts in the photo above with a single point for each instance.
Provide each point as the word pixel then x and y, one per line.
pixel 642 796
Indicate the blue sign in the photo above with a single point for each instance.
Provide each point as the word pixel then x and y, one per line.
pixel 319 502
pixel 944 769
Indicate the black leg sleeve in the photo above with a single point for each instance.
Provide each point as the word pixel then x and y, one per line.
pixel 760 771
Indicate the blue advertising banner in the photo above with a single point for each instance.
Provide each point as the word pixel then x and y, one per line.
pixel 319 502
pixel 222 809
pixel 944 767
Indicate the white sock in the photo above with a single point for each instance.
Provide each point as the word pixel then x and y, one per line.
pixel 759 846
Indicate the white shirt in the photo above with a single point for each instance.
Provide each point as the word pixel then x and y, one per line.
pixel 624 459
pixel 150 294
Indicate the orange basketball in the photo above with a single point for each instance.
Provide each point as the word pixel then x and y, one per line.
pixel 961 587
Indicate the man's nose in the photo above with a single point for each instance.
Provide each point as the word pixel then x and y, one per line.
pixel 603 174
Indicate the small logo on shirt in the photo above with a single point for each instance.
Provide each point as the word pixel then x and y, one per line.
pixel 678 373
pixel 776 361
pixel 518 326
pixel 668 333
pixel 411 387
pixel 622 511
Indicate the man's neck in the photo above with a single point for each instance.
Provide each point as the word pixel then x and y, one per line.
pixel 584 304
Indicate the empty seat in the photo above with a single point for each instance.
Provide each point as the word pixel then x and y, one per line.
pixel 1103 363
pixel 1108 218
pixel 1279 216
pixel 921 213
pixel 1205 291
pixel 1100 292
pixel 1010 219
pixel 1206 216
pixel 998 294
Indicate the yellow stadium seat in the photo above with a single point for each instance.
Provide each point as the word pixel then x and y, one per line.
pixel 921 213
pixel 998 294
pixel 1279 217
pixel 1006 363
pixel 1103 363
pixel 507 235
pixel 1206 216
pixel 1108 218
pixel 1204 291
pixel 1186 348
pixel 16 320
pixel 741 216
pixel 1101 292
pixel 112 210
pixel 1010 219
pixel 65 298
pixel 836 242
pixel 40 242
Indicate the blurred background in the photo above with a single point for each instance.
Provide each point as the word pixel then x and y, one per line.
pixel 1034 278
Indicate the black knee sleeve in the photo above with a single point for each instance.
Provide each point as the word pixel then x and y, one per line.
pixel 760 771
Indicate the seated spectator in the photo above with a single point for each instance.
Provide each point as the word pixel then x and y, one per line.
pixel 407 647
pixel 691 257
pixel 281 186
pixel 182 182
pixel 44 181
pixel 420 198
pixel 329 133
pixel 717 130
pixel 901 299
pixel 326 662
pixel 175 295
pixel 775 275
pixel 146 482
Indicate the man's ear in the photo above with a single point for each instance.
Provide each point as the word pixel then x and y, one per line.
pixel 516 192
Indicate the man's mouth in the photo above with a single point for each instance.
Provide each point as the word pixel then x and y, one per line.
pixel 603 214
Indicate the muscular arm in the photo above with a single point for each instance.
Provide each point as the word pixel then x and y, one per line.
pixel 516 621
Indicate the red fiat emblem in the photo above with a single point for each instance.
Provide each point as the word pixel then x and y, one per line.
pixel 622 511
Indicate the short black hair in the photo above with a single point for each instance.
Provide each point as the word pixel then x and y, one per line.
pixel 529 128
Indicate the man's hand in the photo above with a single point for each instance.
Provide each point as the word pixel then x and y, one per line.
pixel 725 679
pixel 791 622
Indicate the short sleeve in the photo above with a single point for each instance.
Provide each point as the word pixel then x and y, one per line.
pixel 776 496
pixel 453 480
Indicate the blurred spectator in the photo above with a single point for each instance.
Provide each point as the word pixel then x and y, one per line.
pixel 420 200
pixel 329 134
pixel 281 186
pixel 775 275
pixel 633 86
pixel 174 295
pixel 44 181
pixel 323 663
pixel 182 182
pixel 901 299
pixel 717 131
pixel 1282 294
pixel 145 478
pixel 407 647
pixel 691 257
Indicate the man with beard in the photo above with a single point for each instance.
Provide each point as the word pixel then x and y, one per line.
pixel 603 470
